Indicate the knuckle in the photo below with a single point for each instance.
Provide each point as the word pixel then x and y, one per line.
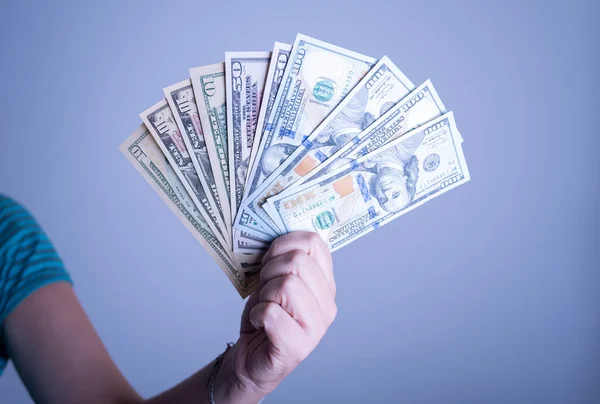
pixel 265 273
pixel 274 246
pixel 289 284
pixel 280 296
pixel 314 239
pixel 295 259
pixel 285 292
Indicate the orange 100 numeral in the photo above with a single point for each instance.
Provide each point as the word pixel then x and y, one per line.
pixel 300 199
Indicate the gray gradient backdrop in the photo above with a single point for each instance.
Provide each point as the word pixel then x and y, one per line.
pixel 489 294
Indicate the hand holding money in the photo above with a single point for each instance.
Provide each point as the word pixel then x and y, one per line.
pixel 310 137
pixel 283 321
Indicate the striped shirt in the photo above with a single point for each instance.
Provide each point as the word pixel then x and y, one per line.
pixel 28 261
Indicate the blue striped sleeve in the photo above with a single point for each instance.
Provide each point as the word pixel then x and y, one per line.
pixel 28 261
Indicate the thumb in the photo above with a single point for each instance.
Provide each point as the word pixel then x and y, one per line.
pixel 246 326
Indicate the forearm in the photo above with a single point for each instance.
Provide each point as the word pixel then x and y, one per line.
pixel 61 359
pixel 57 353
pixel 194 389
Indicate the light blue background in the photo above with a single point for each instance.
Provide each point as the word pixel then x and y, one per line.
pixel 489 294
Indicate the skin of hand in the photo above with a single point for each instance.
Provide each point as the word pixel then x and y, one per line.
pixel 61 359
pixel 283 321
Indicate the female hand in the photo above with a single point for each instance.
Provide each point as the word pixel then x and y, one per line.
pixel 283 321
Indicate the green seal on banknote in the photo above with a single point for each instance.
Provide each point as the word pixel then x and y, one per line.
pixel 324 220
pixel 324 90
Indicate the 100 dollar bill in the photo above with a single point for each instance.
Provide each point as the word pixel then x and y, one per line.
pixel 367 193
pixel 317 78
pixel 419 107
pixel 145 155
pixel 247 243
pixel 382 88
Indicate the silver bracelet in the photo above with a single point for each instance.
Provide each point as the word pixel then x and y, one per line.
pixel 213 375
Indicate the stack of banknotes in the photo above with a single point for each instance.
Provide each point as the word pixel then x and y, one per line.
pixel 308 136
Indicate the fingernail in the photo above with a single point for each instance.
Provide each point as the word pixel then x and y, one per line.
pixel 254 324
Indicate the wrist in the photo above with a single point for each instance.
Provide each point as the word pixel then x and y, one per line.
pixel 231 386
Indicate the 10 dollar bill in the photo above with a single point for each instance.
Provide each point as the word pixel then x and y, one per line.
pixel 144 154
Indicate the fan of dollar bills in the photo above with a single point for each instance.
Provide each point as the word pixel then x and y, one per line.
pixel 309 136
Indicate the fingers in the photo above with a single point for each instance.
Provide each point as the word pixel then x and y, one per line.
pixel 296 301
pixel 292 294
pixel 309 242
pixel 299 264
pixel 284 333
pixel 246 325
